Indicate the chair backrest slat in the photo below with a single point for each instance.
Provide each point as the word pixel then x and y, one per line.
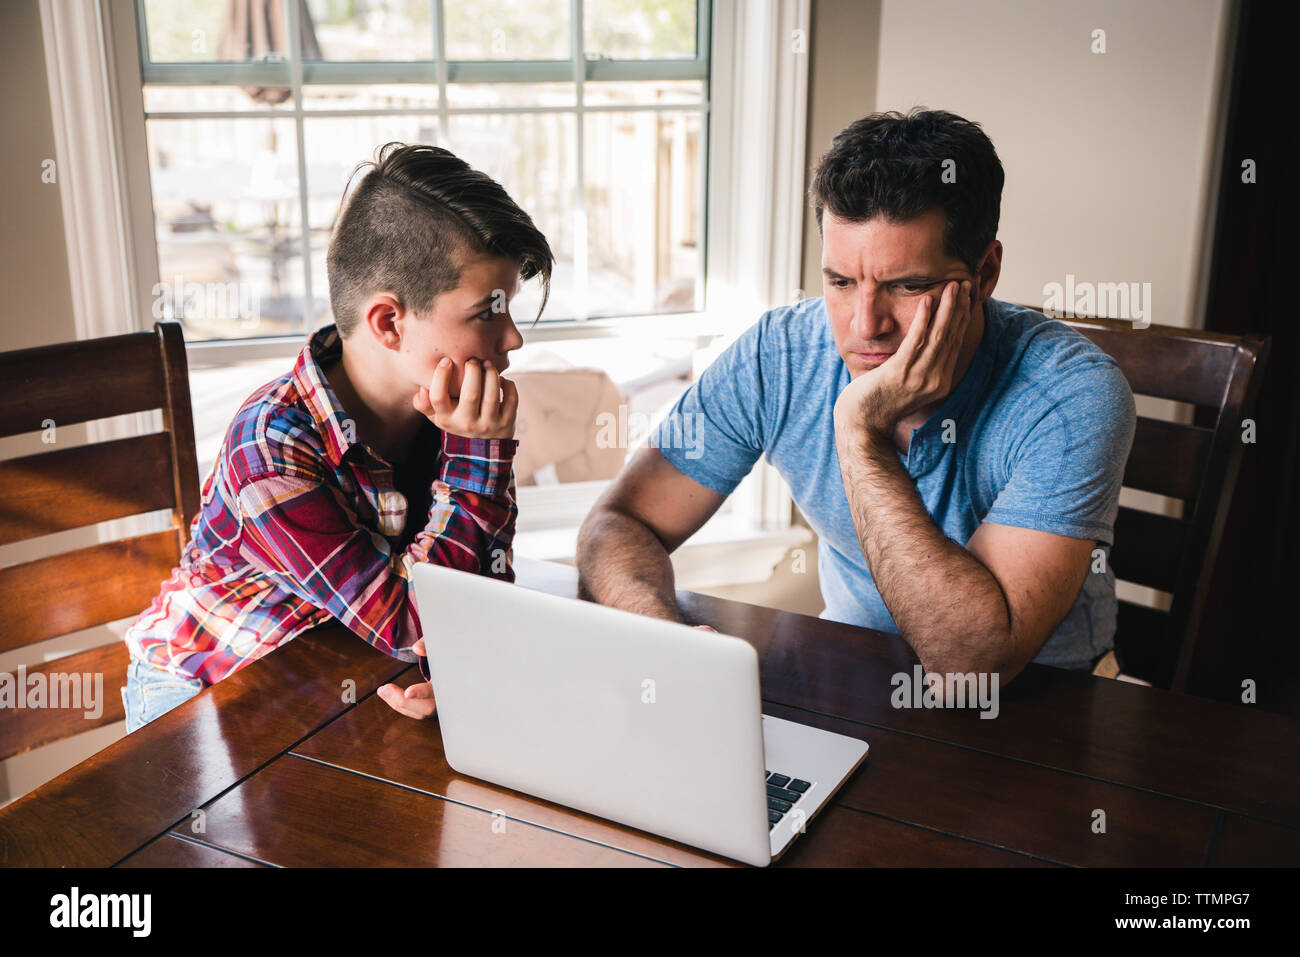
pixel 92 586
pixel 81 589
pixel 80 381
pixel 1185 365
pixel 26 728
pixel 56 491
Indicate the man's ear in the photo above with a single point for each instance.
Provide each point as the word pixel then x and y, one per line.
pixel 986 276
pixel 381 315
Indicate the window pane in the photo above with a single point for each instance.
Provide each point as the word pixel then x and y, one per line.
pixel 159 99
pixel 584 405
pixel 228 226
pixel 196 31
pixel 507 29
pixel 387 30
pixel 218 392
pixel 643 91
pixel 511 94
pixel 643 175
pixel 532 157
pixel 370 96
pixel 334 148
pixel 639 29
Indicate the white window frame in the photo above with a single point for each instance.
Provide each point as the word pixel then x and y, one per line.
pixel 753 249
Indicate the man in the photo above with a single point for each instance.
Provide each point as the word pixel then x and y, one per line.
pixel 959 457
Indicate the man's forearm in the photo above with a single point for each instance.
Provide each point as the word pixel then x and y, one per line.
pixel 946 604
pixel 623 564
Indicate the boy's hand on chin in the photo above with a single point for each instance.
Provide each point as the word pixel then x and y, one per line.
pixel 414 702
pixel 486 406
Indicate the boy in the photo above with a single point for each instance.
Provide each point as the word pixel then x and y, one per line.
pixel 390 442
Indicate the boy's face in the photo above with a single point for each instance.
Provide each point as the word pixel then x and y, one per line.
pixel 472 321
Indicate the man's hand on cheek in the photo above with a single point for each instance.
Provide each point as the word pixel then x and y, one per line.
pixel 485 408
pixel 919 373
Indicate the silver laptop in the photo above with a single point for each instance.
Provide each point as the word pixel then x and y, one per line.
pixel 648 723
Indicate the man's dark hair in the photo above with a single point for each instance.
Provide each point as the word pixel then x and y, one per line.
pixel 892 165
pixel 413 220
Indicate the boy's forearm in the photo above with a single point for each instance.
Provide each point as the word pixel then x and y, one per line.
pixel 484 466
pixel 474 498
pixel 621 563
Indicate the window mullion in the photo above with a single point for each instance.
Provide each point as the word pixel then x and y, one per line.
pixel 703 32
pixel 295 81
pixel 703 52
pixel 259 73
pixel 142 31
pixel 580 265
pixel 440 67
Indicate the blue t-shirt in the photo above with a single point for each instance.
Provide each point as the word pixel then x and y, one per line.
pixel 1041 427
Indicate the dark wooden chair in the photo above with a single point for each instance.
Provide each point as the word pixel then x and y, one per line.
pixel 68 488
pixel 1194 464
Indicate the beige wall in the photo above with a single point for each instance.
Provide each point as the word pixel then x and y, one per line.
pixel 844 61
pixel 1108 156
pixel 34 285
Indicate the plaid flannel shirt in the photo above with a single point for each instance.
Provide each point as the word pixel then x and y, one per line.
pixel 301 522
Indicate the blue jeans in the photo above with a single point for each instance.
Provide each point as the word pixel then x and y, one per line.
pixel 151 692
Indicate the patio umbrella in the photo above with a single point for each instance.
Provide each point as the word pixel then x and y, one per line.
pixel 256 30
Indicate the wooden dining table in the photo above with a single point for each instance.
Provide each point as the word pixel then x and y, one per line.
pixel 295 761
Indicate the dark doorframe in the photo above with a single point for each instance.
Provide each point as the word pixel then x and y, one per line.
pixel 1251 627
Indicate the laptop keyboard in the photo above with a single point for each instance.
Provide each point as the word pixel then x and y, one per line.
pixel 783 792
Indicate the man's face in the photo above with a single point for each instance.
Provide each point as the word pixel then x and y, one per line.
pixel 472 321
pixel 874 275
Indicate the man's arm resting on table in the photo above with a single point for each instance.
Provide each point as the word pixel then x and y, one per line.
pixel 988 607
pixel 624 543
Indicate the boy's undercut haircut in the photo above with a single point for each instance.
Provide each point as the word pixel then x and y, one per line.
pixel 895 166
pixel 414 219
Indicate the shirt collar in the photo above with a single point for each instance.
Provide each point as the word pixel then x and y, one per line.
pixel 337 429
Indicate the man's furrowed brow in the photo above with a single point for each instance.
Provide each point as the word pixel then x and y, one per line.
pixel 915 279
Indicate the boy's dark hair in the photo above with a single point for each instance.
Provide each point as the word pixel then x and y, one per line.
pixel 892 165
pixel 413 220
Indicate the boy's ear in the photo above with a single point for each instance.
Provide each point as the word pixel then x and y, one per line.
pixel 381 315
